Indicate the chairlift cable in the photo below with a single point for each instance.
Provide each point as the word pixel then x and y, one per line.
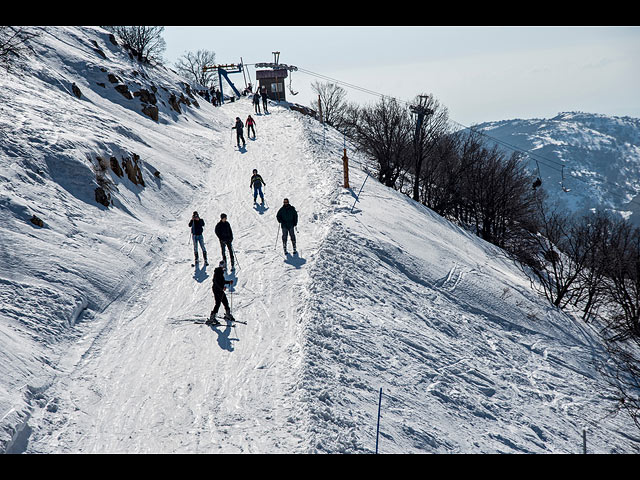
pixel 552 164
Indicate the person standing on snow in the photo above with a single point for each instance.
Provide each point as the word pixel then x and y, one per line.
pixel 239 126
pixel 250 127
pixel 265 97
pixel 219 284
pixel 197 226
pixel 288 219
pixel 225 235
pixel 256 102
pixel 256 184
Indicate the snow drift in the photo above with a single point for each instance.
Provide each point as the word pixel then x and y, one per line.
pixel 383 294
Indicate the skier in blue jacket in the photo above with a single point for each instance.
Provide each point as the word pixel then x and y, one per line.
pixel 256 184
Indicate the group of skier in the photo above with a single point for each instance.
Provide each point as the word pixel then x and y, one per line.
pixel 262 94
pixel 250 122
pixel 239 128
pixel 225 236
pixel 287 217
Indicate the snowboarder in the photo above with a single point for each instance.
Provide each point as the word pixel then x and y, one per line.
pixel 225 235
pixel 218 287
pixel 250 126
pixel 256 184
pixel 197 225
pixel 239 126
pixel 265 97
pixel 288 219
pixel 256 102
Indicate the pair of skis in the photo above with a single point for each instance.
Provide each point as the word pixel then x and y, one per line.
pixel 205 321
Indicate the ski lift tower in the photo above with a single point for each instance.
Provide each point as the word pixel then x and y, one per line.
pixel 273 79
pixel 224 71
pixel 422 111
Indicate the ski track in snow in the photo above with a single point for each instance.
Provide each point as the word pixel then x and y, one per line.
pixel 130 391
pixel 384 293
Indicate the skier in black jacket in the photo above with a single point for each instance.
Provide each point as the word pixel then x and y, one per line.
pixel 288 218
pixel 219 284
pixel 225 235
pixel 239 128
pixel 256 102
pixel 197 225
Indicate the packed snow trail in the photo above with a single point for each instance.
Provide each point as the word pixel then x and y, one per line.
pixel 386 295
pixel 150 385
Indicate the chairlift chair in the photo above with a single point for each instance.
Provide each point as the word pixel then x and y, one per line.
pixel 538 180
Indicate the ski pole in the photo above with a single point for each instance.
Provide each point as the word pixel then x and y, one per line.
pixel 275 246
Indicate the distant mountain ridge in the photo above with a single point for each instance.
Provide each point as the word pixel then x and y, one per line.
pixel 598 154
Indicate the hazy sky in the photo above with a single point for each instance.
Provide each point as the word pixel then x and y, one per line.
pixel 479 73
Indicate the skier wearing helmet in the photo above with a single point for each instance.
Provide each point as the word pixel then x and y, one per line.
pixel 256 184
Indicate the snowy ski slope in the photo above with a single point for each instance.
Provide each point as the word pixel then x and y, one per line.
pixel 384 294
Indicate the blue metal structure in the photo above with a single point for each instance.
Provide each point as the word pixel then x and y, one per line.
pixel 224 71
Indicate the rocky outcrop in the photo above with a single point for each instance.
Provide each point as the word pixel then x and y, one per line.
pixel 102 196
pixel 151 111
pixel 36 221
pixel 76 91
pixel 132 169
pixel 124 91
pixel 115 167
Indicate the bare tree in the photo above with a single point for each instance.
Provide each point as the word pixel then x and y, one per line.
pixel 621 258
pixel 14 43
pixel 623 374
pixel 332 102
pixel 594 232
pixel 146 42
pixel 382 131
pixel 440 174
pixel 190 66
pixel 560 259
pixel 623 271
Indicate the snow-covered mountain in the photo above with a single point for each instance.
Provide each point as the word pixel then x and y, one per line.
pixel 585 160
pixel 384 294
